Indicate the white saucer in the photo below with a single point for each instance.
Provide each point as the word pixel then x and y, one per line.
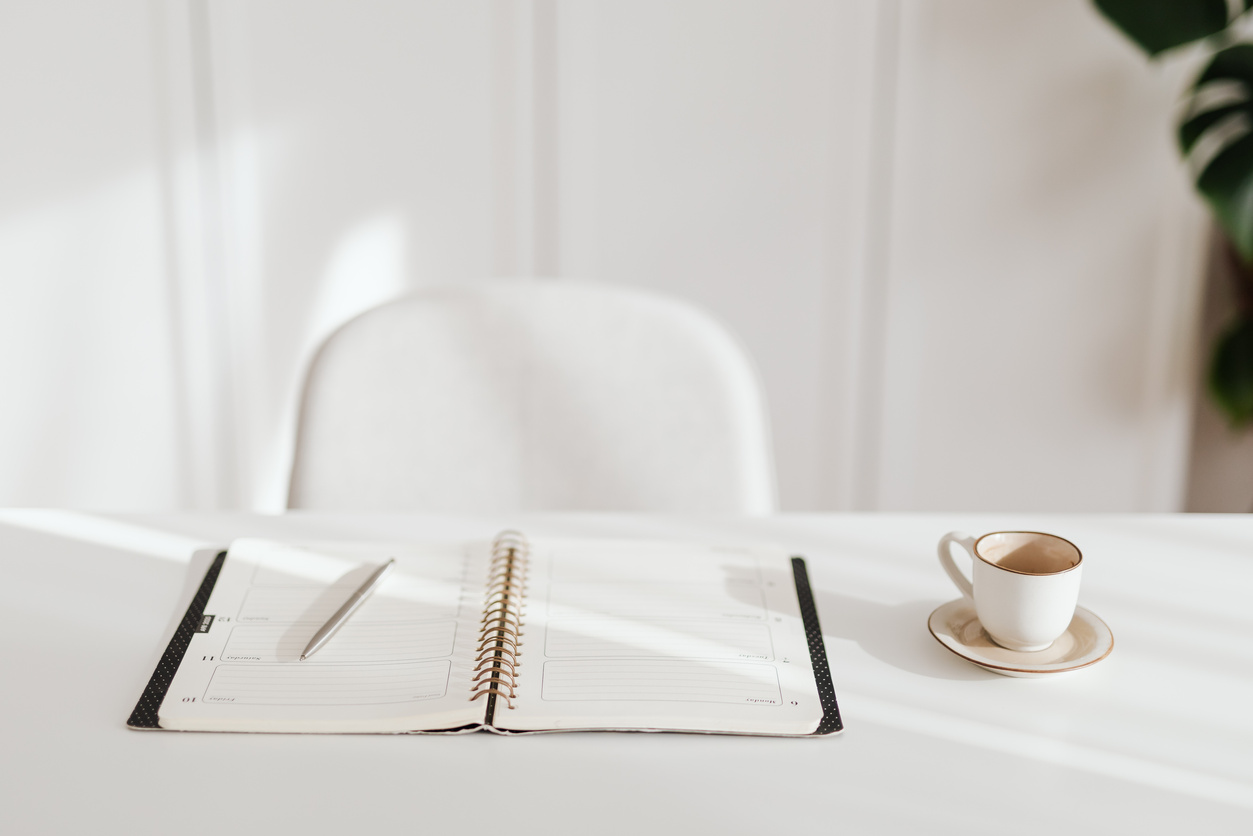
pixel 1086 641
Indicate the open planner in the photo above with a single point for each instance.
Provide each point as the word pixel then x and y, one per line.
pixel 506 636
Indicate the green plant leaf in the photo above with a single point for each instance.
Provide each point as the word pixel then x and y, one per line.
pixel 1159 25
pixel 1231 373
pixel 1225 176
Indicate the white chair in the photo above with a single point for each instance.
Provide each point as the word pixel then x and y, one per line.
pixel 523 395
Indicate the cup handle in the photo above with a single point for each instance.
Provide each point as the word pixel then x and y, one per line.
pixel 946 560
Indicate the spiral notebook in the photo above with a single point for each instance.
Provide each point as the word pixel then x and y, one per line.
pixel 505 636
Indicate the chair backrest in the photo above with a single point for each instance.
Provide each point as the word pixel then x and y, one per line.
pixel 522 395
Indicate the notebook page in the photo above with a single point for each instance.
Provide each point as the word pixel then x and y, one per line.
pixel 392 667
pixel 662 636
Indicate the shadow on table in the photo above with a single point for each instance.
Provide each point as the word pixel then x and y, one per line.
pixel 893 633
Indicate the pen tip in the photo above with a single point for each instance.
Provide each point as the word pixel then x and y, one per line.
pixel 302 657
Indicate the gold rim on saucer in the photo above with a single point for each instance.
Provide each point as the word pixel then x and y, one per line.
pixel 1086 641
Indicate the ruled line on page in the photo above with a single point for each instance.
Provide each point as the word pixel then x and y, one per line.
pixel 293 604
pixel 322 684
pixel 656 600
pixel 658 562
pixel 611 637
pixel 356 641
pixel 669 681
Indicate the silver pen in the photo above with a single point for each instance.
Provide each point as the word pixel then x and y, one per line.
pixel 345 612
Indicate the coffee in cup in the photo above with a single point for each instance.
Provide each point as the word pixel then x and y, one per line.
pixel 1024 584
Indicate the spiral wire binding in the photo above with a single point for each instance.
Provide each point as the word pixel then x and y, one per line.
pixel 496 668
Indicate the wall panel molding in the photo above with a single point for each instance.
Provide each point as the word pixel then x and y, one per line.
pixel 193 225
pixel 853 384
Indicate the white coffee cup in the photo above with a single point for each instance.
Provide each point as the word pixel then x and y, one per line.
pixel 1024 584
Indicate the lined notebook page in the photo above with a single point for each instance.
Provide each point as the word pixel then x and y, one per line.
pixel 663 636
pixel 328 685
pixel 392 667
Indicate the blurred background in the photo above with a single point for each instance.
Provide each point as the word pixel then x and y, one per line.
pixel 955 235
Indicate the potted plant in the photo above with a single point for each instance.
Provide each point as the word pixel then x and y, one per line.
pixel 1215 134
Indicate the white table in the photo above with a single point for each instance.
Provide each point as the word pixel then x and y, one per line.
pixel 1157 738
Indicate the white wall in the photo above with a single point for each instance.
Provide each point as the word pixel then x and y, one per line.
pixel 953 233
pixel 91 410
pixel 1042 268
